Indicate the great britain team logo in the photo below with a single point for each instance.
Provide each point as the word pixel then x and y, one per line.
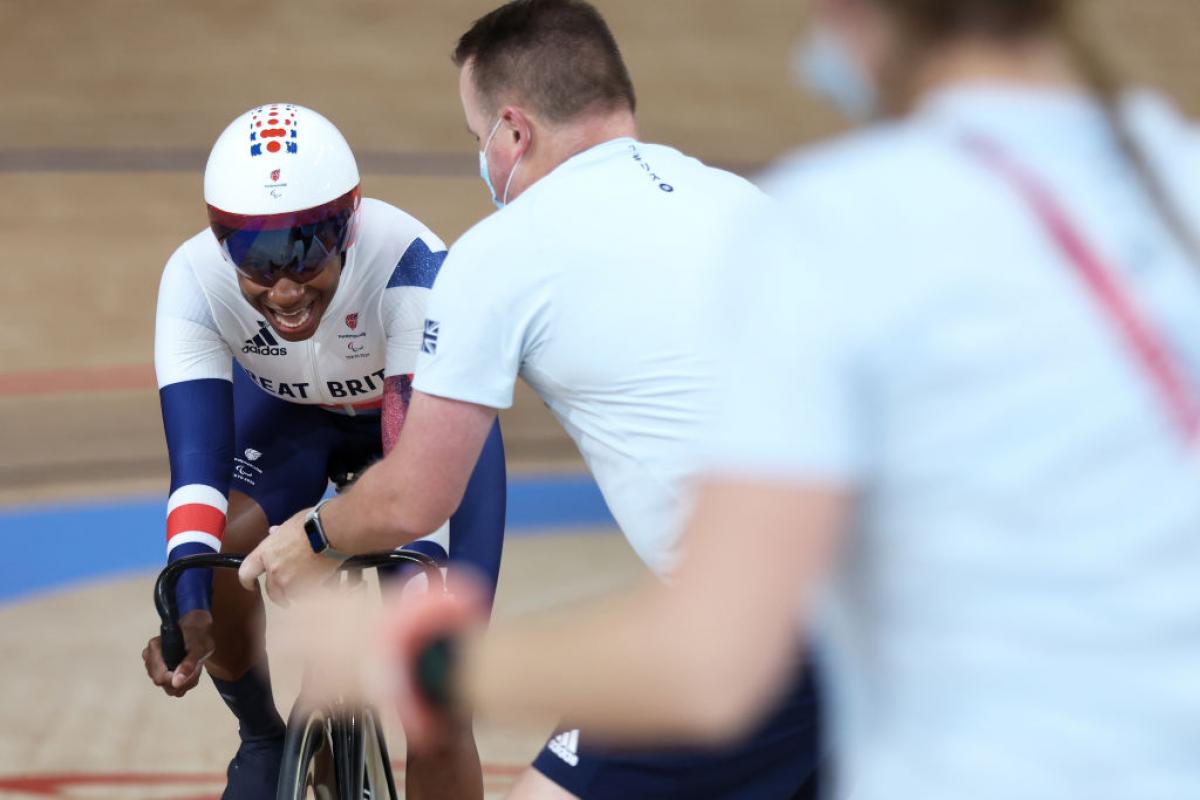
pixel 429 342
pixel 274 129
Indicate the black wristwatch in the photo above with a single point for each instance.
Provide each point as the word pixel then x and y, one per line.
pixel 317 539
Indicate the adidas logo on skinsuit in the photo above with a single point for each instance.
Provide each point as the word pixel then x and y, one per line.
pixel 566 747
pixel 264 344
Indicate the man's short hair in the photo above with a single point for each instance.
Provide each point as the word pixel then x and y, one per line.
pixel 557 55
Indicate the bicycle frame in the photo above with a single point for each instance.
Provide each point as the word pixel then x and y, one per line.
pixel 345 721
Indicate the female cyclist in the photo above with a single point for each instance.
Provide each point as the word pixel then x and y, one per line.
pixel 286 338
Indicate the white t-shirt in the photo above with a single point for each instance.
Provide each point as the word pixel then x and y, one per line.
pixel 594 286
pixel 1017 614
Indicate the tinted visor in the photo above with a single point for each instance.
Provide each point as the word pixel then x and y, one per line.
pixel 295 245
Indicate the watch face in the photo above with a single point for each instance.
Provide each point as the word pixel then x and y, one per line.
pixel 316 536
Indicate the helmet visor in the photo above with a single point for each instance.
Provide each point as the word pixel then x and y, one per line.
pixel 295 245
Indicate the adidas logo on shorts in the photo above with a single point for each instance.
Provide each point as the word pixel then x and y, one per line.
pixel 566 747
pixel 264 344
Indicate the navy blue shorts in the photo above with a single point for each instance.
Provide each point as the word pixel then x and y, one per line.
pixel 780 761
pixel 286 453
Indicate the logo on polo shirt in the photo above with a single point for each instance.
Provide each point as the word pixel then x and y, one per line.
pixel 566 747
pixel 430 339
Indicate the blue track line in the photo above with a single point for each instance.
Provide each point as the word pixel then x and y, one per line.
pixel 50 546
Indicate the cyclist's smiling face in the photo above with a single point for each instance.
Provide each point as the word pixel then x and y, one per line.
pixel 294 309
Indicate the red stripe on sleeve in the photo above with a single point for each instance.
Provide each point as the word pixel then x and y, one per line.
pixel 196 517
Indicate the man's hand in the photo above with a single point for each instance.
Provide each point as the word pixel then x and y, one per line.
pixel 287 559
pixel 197 636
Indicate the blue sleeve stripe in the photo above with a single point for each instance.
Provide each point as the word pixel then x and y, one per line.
pixel 198 421
pixel 431 549
pixel 194 590
pixel 477 527
pixel 418 267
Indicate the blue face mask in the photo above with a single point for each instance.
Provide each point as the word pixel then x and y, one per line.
pixel 825 66
pixel 486 173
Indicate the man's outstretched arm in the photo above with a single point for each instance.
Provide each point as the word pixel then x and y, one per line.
pixel 409 494
pixel 416 488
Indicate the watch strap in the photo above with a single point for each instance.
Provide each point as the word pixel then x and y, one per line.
pixel 315 530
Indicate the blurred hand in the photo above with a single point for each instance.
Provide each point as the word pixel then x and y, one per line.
pixel 359 650
pixel 197 636
pixel 332 630
pixel 286 559
pixel 412 622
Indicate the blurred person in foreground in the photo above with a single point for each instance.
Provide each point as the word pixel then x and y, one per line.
pixel 959 430
pixel 592 282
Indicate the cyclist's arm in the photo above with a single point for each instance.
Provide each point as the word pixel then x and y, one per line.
pixel 397 394
pixel 194 366
pixel 477 527
pixel 404 302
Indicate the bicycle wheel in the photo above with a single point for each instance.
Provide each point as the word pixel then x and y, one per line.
pixel 379 783
pixel 305 772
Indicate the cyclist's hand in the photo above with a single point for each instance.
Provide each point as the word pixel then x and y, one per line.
pixel 197 636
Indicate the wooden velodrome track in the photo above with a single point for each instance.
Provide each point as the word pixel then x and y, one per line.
pixel 107 112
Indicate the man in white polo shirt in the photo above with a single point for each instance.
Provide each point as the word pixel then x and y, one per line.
pixel 592 284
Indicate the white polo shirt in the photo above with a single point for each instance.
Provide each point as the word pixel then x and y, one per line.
pixel 594 286
pixel 1017 611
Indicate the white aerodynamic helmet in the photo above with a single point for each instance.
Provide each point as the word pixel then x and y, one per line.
pixel 282 190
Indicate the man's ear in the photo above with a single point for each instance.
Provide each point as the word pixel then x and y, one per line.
pixel 521 126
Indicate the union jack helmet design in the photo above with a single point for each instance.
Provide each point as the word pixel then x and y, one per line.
pixel 282 190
